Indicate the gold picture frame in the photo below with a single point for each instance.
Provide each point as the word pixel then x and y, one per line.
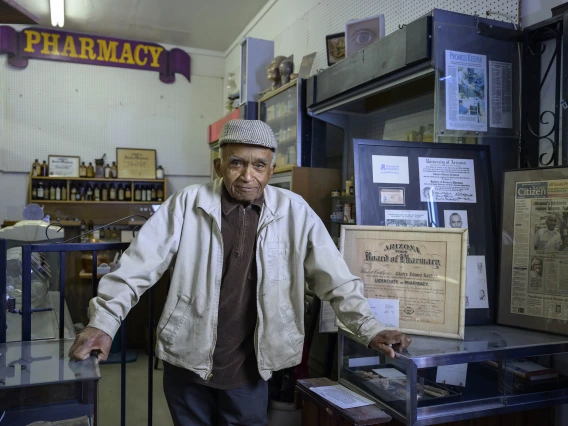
pixel 136 163
pixel 63 165
pixel 424 268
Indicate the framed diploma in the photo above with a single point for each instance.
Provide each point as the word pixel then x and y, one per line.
pixel 136 163
pixel 63 166
pixel 534 250
pixel 436 185
pixel 423 270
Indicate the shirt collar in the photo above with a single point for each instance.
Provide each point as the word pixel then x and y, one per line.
pixel 228 203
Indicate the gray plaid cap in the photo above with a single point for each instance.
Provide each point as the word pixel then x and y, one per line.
pixel 252 132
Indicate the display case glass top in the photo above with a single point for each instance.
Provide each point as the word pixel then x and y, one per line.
pixel 43 362
pixel 279 109
pixel 493 370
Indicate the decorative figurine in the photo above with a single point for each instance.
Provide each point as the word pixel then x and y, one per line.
pixel 286 68
pixel 274 72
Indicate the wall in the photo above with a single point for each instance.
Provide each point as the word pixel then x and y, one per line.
pixel 299 27
pixel 534 11
pixel 87 111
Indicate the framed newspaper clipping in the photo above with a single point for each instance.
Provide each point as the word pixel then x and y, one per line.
pixel 534 250
pixel 422 271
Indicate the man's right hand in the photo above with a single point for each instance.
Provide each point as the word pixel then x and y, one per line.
pixel 91 339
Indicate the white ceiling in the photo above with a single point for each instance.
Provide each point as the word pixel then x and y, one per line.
pixel 203 24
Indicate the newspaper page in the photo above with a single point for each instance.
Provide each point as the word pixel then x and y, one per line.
pixel 540 250
pixel 466 91
pixel 501 93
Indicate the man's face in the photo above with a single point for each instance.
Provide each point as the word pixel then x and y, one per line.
pixel 455 221
pixel 551 222
pixel 245 169
pixel 538 267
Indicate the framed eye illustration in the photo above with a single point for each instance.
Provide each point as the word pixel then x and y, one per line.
pixel 363 32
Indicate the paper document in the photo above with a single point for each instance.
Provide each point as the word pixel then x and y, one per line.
pixel 390 373
pixel 327 318
pixel 455 374
pixel 386 311
pixel 341 396
pixel 476 283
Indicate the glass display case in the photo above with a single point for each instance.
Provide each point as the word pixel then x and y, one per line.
pixel 39 383
pixel 494 370
pixel 284 111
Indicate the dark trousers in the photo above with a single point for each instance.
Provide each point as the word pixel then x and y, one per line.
pixel 192 404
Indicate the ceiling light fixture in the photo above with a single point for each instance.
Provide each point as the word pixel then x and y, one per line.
pixel 57 12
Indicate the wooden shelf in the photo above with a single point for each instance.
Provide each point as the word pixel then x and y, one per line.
pixel 76 179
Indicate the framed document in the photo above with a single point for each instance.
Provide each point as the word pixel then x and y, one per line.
pixel 63 166
pixel 136 163
pixel 433 185
pixel 534 250
pixel 423 270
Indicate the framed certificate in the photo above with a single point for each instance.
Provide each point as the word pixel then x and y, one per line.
pixel 534 250
pixel 422 269
pixel 63 166
pixel 435 185
pixel 135 163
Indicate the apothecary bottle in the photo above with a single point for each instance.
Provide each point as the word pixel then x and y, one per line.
pixel 160 173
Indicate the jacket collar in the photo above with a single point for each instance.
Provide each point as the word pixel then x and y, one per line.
pixel 209 199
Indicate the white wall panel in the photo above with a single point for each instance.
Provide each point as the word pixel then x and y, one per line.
pixel 74 109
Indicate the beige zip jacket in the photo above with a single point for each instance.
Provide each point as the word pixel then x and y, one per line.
pixel 293 247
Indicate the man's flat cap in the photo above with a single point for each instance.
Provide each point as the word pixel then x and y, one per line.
pixel 252 132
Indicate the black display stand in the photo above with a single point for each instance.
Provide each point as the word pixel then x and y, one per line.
pixel 370 209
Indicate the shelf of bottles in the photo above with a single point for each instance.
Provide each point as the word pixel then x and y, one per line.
pixel 96 190
pixel 279 109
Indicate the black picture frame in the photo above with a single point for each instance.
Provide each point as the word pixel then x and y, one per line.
pixel 332 59
pixel 482 224
pixel 505 315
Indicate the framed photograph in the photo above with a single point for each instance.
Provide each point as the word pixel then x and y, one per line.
pixel 361 33
pixel 422 270
pixel 335 45
pixel 534 250
pixel 63 165
pixel 432 181
pixel 134 163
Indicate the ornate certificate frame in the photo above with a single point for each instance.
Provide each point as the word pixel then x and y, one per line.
pixel 136 163
pixel 424 268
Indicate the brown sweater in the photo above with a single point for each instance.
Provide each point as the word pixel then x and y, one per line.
pixel 234 358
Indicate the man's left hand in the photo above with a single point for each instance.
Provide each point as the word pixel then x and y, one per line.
pixel 386 340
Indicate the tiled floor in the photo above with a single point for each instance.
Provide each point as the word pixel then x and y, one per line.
pixel 136 395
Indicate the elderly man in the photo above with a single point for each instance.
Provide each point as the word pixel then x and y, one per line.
pixel 548 238
pixel 241 252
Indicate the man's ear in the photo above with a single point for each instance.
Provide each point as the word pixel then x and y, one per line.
pixel 217 165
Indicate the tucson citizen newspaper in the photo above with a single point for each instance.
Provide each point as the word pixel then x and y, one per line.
pixel 540 250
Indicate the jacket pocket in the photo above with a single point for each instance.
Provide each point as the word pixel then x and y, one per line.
pixel 279 261
pixel 177 318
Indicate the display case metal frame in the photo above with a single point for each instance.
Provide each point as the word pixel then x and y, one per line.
pixel 303 123
pixel 425 352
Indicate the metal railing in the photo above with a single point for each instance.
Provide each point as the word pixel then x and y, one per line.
pixel 26 310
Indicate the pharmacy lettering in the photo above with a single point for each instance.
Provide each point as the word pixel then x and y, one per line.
pixel 93 50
